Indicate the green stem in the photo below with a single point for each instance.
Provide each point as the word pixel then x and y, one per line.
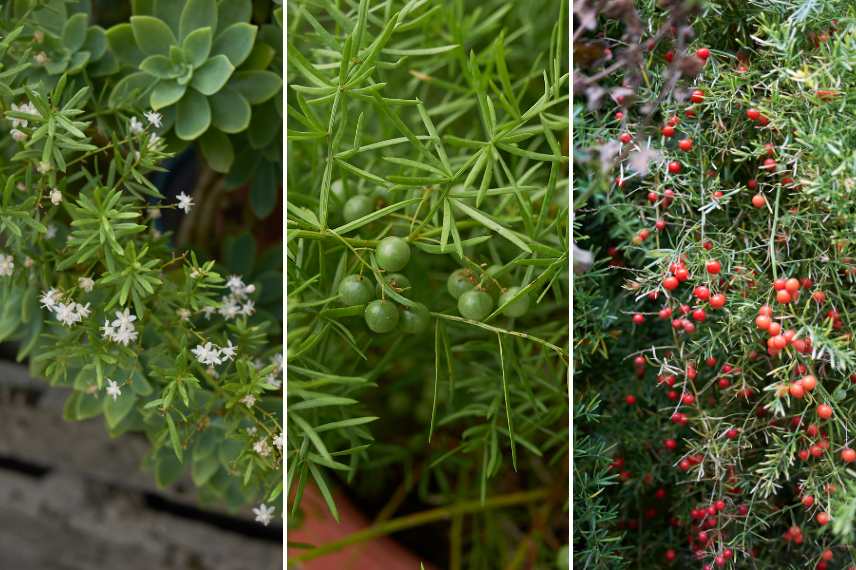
pixel 419 519
pixel 540 341
pixel 311 234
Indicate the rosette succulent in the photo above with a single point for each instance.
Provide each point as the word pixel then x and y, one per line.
pixel 193 64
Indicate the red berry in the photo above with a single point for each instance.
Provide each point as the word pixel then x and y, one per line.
pixel 783 297
pixel 699 315
pixel 638 319
pixel 619 115
pixel 625 138
pixel 682 274
pixel 753 114
pixel 653 197
pixel 779 284
pixel 752 184
pixel 759 201
pixel 822 518
pixel 717 301
pixel 807 501
pixel 697 96
pixel 848 455
pixel 669 55
pixel 796 391
pixel 670 555
pixel 660 225
pixel 668 131
pixel 713 267
pixel 688 399
pixel 762 322
pixel 671 444
pixel 732 433
pixel 792 285
pixel 769 164
pixel 808 382
pixel 685 145
pixel 630 399
pixel 824 411
pixel 701 293
pixel 671 283
pixel 703 53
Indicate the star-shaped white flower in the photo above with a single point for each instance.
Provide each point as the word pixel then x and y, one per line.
pixel 113 389
pixel 7 265
pixel 136 126
pixel 249 400
pixel 264 514
pixel 277 441
pixel 185 202
pixel 86 283
pixel 154 118
pixel 56 197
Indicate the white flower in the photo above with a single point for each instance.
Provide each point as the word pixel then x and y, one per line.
pixel 18 136
pixel 248 308
pixel 249 400
pixel 185 202
pixel 229 309
pixel 235 283
pixel 262 447
pixel 41 58
pixel 122 329
pixel 38 36
pixel 113 389
pixel 50 299
pixel 56 197
pixel 86 283
pixel 252 430
pixel 27 108
pixel 7 265
pixel 277 441
pixel 51 233
pixel 154 118
pixel 28 262
pixel 273 382
pixel 228 351
pixel 44 167
pixel 208 311
pixel 21 186
pixel 264 514
pixel 136 126
pixel 72 313
pixel 196 274
pixel 277 361
pixel 207 354
pixel 183 314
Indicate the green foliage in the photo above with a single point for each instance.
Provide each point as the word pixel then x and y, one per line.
pixel 439 125
pixel 95 291
pixel 791 61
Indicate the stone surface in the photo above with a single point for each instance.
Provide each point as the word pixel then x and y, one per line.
pixel 71 498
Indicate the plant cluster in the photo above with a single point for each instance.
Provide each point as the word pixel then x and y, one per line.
pixel 427 248
pixel 715 175
pixel 157 339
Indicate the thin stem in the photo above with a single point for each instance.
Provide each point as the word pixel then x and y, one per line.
pixel 423 518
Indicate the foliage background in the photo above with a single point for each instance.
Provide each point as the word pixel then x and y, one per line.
pixel 794 55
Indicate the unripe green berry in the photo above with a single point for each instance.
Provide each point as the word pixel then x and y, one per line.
pixel 355 290
pixel 381 316
pixel 475 305
pixel 357 207
pixel 392 253
pixel 460 281
pixel 415 320
pixel 399 283
pixel 516 309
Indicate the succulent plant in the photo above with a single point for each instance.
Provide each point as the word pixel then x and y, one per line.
pixel 193 63
pixel 65 45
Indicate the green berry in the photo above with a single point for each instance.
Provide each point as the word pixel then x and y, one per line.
pixel 381 316
pixel 397 281
pixel 475 305
pixel 460 281
pixel 355 290
pixel 392 253
pixel 516 309
pixel 357 207
pixel 415 320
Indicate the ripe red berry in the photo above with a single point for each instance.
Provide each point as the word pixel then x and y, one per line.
pixel 703 53
pixel 671 444
pixel 752 184
pixel 619 115
pixel 653 197
pixel 796 391
pixel 713 266
pixel 753 114
pixel 848 455
pixel 783 297
pixel 682 273
pixel 685 145
pixel 779 284
pixel 699 315
pixel 807 501
pixel 792 285
pixel 670 555
pixel 669 55
pixel 822 518
pixel 774 329
pixel 688 399
pixel 697 96
pixel 625 138
pixel 759 201
pixel 762 322
pixel 732 433
pixel 630 399
pixel 769 164
pixel 668 131
pixel 717 301
pixel 660 225
pixel 824 411
pixel 701 293
pixel 671 283
pixel 808 382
